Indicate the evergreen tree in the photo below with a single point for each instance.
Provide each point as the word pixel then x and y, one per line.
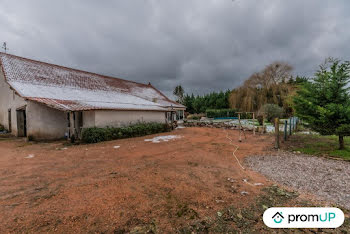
pixel 199 104
pixel 179 93
pixel 324 102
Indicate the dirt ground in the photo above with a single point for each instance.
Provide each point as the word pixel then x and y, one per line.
pixel 326 178
pixel 46 187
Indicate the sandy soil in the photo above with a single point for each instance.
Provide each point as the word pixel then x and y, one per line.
pixel 47 187
pixel 326 178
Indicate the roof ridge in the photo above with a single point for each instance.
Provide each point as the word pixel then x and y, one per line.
pixel 70 68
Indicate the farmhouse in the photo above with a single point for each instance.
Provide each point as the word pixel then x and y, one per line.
pixel 46 101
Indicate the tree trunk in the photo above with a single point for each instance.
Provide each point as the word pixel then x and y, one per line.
pixel 341 143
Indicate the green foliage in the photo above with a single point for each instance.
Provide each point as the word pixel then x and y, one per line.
pixel 95 135
pixel 324 102
pixel 2 128
pixel 217 113
pixel 298 80
pixel 245 115
pixel 199 104
pixel 272 111
pixel 343 130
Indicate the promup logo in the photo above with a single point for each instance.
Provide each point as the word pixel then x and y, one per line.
pixel 278 217
pixel 293 217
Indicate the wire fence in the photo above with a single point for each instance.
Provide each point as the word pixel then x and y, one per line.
pixel 289 127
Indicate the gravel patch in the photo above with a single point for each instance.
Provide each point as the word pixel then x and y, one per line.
pixel 329 179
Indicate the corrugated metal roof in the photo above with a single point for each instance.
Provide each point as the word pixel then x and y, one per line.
pixel 74 90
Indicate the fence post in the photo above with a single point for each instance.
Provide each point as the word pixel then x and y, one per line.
pixel 263 125
pixel 293 124
pixel 239 124
pixel 290 126
pixel 285 130
pixel 277 133
pixel 253 123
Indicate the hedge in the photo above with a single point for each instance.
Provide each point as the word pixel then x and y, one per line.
pixel 95 135
pixel 217 113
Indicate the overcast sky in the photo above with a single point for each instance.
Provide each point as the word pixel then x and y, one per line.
pixel 204 45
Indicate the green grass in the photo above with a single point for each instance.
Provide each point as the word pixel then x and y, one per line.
pixel 319 145
pixel 345 154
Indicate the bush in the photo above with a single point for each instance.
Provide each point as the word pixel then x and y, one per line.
pixel 245 115
pixel 95 135
pixel 217 113
pixel 272 111
pixel 2 128
pixel 260 119
pixel 196 116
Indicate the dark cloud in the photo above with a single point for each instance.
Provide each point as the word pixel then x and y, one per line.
pixel 202 45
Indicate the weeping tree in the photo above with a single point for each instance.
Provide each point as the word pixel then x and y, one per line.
pixel 271 85
pixel 324 102
pixel 179 93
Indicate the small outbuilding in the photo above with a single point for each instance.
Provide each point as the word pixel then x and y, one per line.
pixel 47 101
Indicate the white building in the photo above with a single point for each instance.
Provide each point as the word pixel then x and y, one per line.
pixel 46 101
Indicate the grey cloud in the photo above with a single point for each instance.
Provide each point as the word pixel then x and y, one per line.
pixel 203 45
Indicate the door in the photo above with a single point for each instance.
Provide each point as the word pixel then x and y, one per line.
pixel 21 123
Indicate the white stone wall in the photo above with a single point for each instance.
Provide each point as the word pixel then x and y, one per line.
pixel 123 118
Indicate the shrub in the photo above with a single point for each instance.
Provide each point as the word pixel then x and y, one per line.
pixel 217 113
pixel 196 116
pixel 94 135
pixel 2 128
pixel 245 115
pixel 260 119
pixel 272 111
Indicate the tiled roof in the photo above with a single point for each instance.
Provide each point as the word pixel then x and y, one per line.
pixel 73 90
